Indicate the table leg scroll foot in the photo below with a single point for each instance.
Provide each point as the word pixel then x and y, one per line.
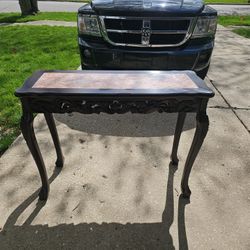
pixel 60 162
pixel 177 135
pixel 29 136
pixel 199 136
pixel 52 128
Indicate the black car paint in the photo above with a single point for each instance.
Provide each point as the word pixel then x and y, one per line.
pixel 194 54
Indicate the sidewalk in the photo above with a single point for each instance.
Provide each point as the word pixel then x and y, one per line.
pixel 232 9
pixel 50 6
pixel 43 22
pixel 116 190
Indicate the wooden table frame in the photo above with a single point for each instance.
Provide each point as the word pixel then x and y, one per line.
pixel 67 100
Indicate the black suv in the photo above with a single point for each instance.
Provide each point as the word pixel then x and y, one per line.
pixel 147 34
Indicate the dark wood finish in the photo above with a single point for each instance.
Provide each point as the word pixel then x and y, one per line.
pixel 202 124
pixel 29 135
pixel 177 135
pixel 52 128
pixel 180 91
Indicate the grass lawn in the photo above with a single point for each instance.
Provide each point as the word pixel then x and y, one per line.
pixel 25 49
pixel 207 1
pixel 81 1
pixel 237 21
pixel 243 32
pixel 234 20
pixel 227 1
pixel 17 18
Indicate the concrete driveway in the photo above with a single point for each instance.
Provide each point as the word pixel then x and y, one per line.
pixel 230 72
pixel 116 190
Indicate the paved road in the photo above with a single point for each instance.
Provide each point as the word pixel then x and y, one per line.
pixel 50 6
pixel 13 6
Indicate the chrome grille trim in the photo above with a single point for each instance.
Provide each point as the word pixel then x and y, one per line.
pixel 125 31
pixel 188 32
pixel 161 32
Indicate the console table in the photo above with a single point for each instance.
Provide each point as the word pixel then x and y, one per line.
pixel 113 92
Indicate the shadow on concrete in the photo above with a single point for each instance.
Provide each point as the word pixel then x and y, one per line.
pixel 92 235
pixel 130 125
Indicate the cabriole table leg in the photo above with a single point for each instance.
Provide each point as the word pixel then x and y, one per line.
pixel 199 136
pixel 53 131
pixel 177 135
pixel 29 136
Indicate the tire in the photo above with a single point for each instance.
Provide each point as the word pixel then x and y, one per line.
pixel 203 73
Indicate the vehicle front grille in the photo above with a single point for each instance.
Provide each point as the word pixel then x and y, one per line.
pixel 146 32
pixel 122 24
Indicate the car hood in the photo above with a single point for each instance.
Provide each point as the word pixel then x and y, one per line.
pixel 163 6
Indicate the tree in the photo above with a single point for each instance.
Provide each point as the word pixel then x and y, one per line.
pixel 28 7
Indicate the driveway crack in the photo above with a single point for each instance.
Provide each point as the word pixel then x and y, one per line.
pixel 229 106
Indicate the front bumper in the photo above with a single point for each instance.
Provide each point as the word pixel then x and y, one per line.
pixel 195 55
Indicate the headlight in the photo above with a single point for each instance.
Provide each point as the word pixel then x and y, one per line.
pixel 205 26
pixel 88 25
